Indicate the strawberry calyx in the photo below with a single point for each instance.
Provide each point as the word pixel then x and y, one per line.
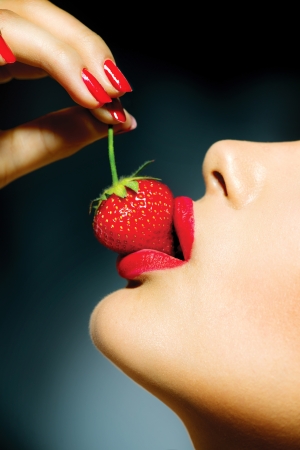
pixel 119 186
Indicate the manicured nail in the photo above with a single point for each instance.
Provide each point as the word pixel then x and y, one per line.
pixel 132 127
pixel 116 110
pixel 6 52
pixel 116 77
pixel 95 88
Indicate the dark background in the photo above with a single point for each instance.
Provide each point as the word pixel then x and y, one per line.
pixel 198 76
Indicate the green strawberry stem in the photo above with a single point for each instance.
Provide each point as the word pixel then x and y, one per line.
pixel 119 185
pixel 111 155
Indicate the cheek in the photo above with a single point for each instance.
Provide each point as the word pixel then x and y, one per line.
pixel 245 314
pixel 251 290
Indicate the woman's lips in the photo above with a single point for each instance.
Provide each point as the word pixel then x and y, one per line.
pixel 135 264
pixel 184 224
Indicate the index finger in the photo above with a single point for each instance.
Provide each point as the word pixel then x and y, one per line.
pixel 89 45
pixel 35 46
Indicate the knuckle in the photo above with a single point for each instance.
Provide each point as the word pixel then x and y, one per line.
pixel 91 41
pixel 5 16
pixel 61 54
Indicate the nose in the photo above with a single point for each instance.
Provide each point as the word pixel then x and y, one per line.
pixel 236 170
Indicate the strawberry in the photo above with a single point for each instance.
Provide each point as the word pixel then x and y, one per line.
pixel 135 213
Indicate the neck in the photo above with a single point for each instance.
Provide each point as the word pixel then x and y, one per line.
pixel 227 433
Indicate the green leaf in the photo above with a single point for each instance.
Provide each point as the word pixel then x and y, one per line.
pixel 109 191
pixel 103 196
pixel 141 168
pixel 120 190
pixel 131 184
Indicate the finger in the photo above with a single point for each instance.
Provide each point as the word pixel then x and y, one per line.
pixel 93 50
pixel 34 46
pixel 50 138
pixel 110 113
pixel 20 71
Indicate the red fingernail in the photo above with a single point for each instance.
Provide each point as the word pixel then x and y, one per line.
pixel 95 88
pixel 132 127
pixel 116 77
pixel 6 52
pixel 116 110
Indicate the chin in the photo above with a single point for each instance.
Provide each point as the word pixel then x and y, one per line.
pixel 142 331
pixel 116 326
pixel 130 328
pixel 109 326
pixel 137 329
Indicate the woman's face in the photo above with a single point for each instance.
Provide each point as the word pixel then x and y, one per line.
pixel 218 339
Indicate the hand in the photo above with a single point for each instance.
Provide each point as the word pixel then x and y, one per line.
pixel 39 39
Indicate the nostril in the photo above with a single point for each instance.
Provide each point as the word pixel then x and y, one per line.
pixel 221 181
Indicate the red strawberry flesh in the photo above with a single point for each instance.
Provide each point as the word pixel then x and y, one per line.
pixel 141 220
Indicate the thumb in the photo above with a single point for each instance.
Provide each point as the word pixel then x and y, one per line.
pixel 50 138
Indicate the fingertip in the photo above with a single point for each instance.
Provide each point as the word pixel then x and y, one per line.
pixel 133 123
pixel 110 113
pixel 94 87
pixel 116 110
pixel 130 125
pixel 116 77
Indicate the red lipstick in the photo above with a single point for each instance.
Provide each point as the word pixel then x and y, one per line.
pixel 135 264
